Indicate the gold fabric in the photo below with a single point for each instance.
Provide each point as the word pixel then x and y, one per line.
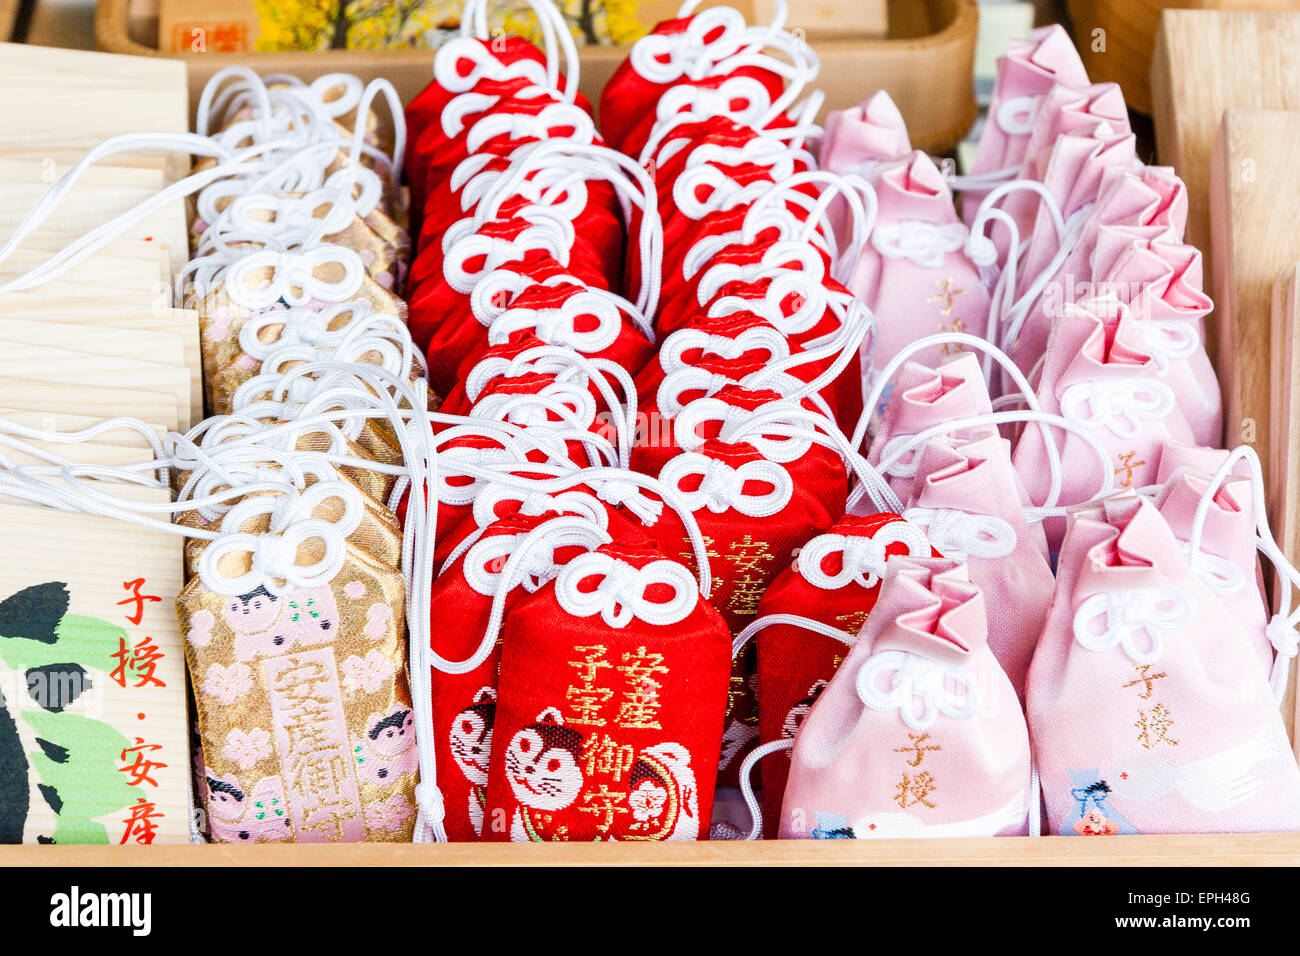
pixel 304 709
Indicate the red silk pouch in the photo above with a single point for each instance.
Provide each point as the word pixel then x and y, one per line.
pixel 459 196
pixel 835 581
pixel 597 223
pixel 493 58
pixel 464 704
pixel 723 230
pixel 659 403
pixel 510 118
pixel 708 336
pixel 740 334
pixel 504 240
pixel 763 265
pixel 442 320
pixel 568 315
pixel 613 684
pixel 752 514
pixel 432 145
pixel 473 68
pixel 506 399
pixel 496 501
pixel 739 94
pixel 457 401
pixel 704 418
pixel 725 164
pixel 629 95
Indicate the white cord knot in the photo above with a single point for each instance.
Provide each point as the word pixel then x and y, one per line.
pixel 1218 574
pixel 1283 637
pixel 274 553
pixel 862 559
pixel 722 487
pixel 619 491
pixel 1118 404
pixel 1168 340
pixel 923 243
pixel 621 589
pixel 981 251
pixel 293 277
pixel 428 798
pixel 918 688
pixel 959 535
pixel 1116 618
pixel 485 564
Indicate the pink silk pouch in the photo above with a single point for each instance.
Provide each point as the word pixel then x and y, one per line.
pixel 1161 283
pixel 1073 177
pixel 919 733
pixel 834 581
pixel 1227 562
pixel 1148 710
pixel 1063 110
pixel 923 397
pixel 1147 202
pixel 1101 377
pixel 1028 71
pixel 855 140
pixel 969 501
pixel 914 273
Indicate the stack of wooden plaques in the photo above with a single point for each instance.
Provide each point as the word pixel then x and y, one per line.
pixel 102 338
pixel 93 726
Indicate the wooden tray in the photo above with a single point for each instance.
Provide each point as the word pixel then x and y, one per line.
pixel 1229 849
pixel 918 70
pixel 925 63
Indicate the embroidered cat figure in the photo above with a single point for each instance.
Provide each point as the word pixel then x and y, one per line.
pixel 794 717
pixel 542 767
pixel 471 745
pixel 239 817
pixel 266 625
pixel 388 750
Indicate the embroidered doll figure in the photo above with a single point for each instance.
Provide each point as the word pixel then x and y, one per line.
pixel 265 624
pixel 239 817
pixel 542 767
pixel 1094 822
pixel 471 745
pixel 388 749
pixel 1092 817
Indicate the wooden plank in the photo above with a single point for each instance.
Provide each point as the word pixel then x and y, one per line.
pixel 1255 223
pixel 1129 36
pixel 1277 849
pixel 1207 61
pixel 109 402
pixel 84 560
pixel 8 17
pixel 1283 466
